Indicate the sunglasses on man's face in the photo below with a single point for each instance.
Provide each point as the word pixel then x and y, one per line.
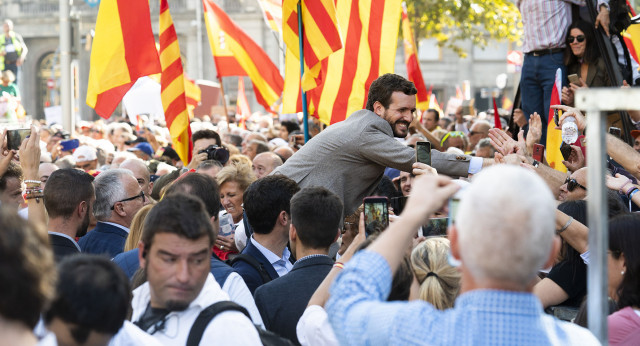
pixel 579 38
pixel 572 184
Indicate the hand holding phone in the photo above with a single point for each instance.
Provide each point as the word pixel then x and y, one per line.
pixel 538 152
pixel 16 137
pixel 565 150
pixel 615 131
pixel 574 79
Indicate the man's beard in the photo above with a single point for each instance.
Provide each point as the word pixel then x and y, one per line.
pixel 82 230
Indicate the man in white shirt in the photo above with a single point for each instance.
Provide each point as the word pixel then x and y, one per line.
pixel 175 251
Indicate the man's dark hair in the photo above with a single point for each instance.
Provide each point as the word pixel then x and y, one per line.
pixel 201 186
pixel 27 270
pixel 382 88
pixel 290 125
pixel 65 189
pixel 235 139
pixel 13 171
pixel 206 134
pixel 434 111
pixel 317 215
pixel 93 294
pixel 179 214
pixel 261 146
pixel 163 181
pixel 265 198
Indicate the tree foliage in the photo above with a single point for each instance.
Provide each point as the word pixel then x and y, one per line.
pixel 454 21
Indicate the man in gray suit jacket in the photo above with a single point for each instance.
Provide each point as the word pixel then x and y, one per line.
pixel 349 157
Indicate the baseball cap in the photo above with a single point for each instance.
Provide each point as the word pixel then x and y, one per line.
pixel 84 153
pixel 144 147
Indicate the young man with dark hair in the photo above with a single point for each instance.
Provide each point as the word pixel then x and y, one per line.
pixel 349 158
pixel 267 206
pixel 69 209
pixel 316 217
pixel 286 127
pixel 202 140
pixel 11 186
pixel 175 252
pixel 91 304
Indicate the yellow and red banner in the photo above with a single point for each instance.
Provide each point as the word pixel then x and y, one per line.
pixel 236 54
pixel 321 34
pixel 172 86
pixel 272 11
pixel 413 65
pixel 193 94
pixel 554 136
pixel 242 105
pixel 369 29
pixel 123 50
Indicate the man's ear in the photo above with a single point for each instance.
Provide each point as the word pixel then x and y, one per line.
pixel 293 233
pixel 82 209
pixel 215 222
pixel 151 185
pixel 555 249
pixel 378 108
pixel 283 218
pixel 142 255
pixel 119 210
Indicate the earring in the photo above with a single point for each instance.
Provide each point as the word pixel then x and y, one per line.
pixel 622 272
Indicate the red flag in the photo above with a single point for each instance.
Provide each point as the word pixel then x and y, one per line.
pixel 496 116
pixel 242 105
pixel 554 136
pixel 411 60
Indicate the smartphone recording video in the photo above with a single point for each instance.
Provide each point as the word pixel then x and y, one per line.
pixel 454 202
pixel 423 152
pixel 376 214
pixel 615 131
pixel 437 226
pixel 15 138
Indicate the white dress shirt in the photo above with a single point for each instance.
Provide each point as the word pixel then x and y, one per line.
pixel 282 265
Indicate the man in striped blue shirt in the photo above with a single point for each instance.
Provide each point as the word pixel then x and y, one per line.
pixel 503 234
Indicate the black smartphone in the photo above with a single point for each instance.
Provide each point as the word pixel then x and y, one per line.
pixel 398 203
pixel 437 226
pixel 615 131
pixel 423 152
pixel 556 116
pixel 565 150
pixel 538 152
pixel 376 214
pixel 15 138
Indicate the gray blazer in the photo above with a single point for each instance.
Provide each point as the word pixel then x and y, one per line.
pixel 349 158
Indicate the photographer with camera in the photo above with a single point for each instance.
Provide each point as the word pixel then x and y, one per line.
pixel 207 145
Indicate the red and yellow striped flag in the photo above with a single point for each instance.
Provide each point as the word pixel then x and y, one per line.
pixel 172 82
pixel 321 34
pixel 193 94
pixel 370 32
pixel 554 136
pixel 413 65
pixel 272 11
pixel 236 54
pixel 123 50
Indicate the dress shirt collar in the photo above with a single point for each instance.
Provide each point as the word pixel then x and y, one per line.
pixel 505 302
pixel 311 256
pixel 68 237
pixel 116 225
pixel 270 256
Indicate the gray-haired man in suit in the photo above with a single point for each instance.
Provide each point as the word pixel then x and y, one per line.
pixel 349 157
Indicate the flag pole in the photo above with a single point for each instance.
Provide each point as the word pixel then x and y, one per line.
pixel 224 104
pixel 305 112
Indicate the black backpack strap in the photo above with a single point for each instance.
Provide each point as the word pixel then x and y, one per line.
pixel 207 315
pixel 254 263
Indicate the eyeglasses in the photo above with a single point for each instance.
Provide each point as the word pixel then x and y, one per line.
pixel 347 225
pixel 131 199
pixel 572 184
pixel 451 134
pixel 579 38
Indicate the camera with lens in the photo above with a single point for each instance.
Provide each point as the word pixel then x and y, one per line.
pixel 217 153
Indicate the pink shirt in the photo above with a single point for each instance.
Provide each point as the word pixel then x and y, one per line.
pixel 624 327
pixel 545 22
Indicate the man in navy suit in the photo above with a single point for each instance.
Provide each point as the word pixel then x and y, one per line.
pixel 316 217
pixel 69 209
pixel 118 199
pixel 267 205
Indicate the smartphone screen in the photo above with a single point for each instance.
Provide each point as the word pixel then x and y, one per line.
pixel 454 202
pixel 376 214
pixel 556 116
pixel 423 152
pixel 573 78
pixel 565 150
pixel 538 152
pixel 615 131
pixel 437 226
pixel 15 138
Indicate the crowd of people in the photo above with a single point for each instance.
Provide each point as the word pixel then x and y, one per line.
pixel 109 237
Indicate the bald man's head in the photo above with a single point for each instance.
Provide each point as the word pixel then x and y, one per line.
pixel 265 163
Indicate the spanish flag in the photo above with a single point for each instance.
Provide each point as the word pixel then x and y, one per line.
pixel 411 60
pixel 321 34
pixel 554 136
pixel 123 50
pixel 272 11
pixel 172 82
pixel 242 105
pixel 236 54
pixel 370 32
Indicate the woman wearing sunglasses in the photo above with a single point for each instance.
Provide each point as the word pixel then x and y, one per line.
pixel 582 58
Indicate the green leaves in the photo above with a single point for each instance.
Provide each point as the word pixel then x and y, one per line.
pixel 454 21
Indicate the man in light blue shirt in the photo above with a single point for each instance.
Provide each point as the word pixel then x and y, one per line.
pixel 503 234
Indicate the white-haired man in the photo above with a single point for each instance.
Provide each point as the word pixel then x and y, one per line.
pixel 502 236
